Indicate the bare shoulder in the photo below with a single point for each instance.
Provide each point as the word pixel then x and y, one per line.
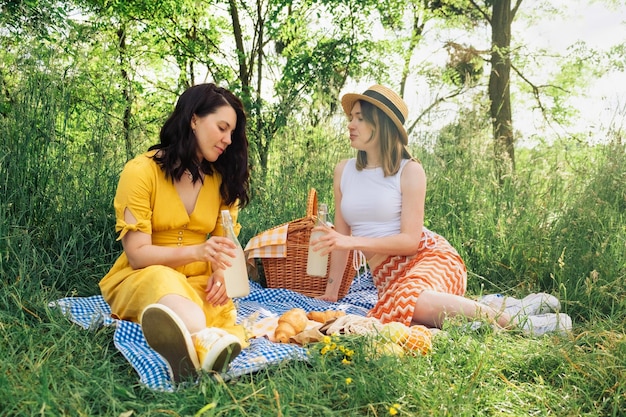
pixel 414 169
pixel 340 166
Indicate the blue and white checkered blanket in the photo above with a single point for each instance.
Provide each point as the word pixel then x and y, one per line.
pixel 93 312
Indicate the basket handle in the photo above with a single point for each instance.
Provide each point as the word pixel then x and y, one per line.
pixel 311 203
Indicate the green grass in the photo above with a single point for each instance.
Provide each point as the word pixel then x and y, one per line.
pixel 557 225
pixel 59 369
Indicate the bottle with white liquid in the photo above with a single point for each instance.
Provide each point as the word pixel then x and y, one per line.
pixel 235 276
pixel 317 264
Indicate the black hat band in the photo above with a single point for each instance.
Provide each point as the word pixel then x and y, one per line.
pixel 377 96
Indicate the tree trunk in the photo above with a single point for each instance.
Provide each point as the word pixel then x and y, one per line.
pixel 121 39
pixel 416 34
pixel 499 86
pixel 244 76
pixel 260 139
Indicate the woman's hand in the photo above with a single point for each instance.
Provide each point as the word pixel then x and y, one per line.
pixel 339 244
pixel 330 241
pixel 216 250
pixel 215 290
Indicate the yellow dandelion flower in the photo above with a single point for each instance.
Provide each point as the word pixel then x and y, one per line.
pixel 326 340
pixel 394 409
pixel 346 361
pixel 348 381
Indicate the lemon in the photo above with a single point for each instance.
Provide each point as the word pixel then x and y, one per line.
pixel 395 332
pixel 389 349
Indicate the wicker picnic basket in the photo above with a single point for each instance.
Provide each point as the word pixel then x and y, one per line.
pixel 290 272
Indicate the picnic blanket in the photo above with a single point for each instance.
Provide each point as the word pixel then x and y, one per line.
pixel 93 312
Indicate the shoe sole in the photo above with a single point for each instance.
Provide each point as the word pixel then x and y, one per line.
pixel 531 305
pixel 167 335
pixel 557 323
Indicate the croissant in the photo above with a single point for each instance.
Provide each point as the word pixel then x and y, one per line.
pixel 290 324
pixel 324 316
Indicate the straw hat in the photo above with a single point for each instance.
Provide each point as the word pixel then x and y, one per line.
pixel 386 100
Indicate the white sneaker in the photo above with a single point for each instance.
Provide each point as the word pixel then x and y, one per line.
pixel 540 303
pixel 166 333
pixel 541 324
pixel 531 305
pixel 215 348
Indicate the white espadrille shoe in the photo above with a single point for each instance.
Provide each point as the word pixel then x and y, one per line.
pixel 531 305
pixel 216 348
pixel 166 333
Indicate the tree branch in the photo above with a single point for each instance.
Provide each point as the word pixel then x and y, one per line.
pixel 481 11
pixel 432 106
pixel 514 10
pixel 536 89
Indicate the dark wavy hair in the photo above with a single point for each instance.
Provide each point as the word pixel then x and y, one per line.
pixel 178 145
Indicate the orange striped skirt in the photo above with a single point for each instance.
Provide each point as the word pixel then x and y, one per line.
pixel 401 279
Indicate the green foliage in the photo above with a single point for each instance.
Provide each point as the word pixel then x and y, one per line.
pixel 301 158
pixel 39 18
pixel 318 46
pixel 461 10
pixel 464 66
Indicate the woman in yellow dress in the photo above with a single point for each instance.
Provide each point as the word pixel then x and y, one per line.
pixel 168 205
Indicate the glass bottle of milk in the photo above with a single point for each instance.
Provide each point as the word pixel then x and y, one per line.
pixel 235 276
pixel 317 264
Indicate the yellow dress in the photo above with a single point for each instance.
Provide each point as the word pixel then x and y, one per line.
pixel 155 203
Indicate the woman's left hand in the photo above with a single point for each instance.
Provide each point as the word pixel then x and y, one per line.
pixel 216 291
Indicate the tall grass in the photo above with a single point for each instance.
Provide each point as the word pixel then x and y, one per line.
pixel 557 226
pixel 295 166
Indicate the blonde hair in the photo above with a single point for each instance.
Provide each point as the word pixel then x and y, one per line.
pixel 392 151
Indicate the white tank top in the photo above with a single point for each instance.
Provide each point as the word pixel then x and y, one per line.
pixel 371 203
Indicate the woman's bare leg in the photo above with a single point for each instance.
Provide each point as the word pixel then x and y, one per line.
pixel 188 311
pixel 433 307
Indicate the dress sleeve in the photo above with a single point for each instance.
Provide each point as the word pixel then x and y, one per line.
pixel 135 192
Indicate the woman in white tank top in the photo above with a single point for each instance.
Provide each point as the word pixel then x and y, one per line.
pixel 379 214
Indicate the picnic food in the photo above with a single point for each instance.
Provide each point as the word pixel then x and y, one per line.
pixel 290 324
pixel 324 316
pixel 419 340
pixel 388 348
pixel 395 332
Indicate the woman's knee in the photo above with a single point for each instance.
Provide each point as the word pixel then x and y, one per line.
pixel 154 275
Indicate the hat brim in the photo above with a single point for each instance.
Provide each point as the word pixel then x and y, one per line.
pixel 348 100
